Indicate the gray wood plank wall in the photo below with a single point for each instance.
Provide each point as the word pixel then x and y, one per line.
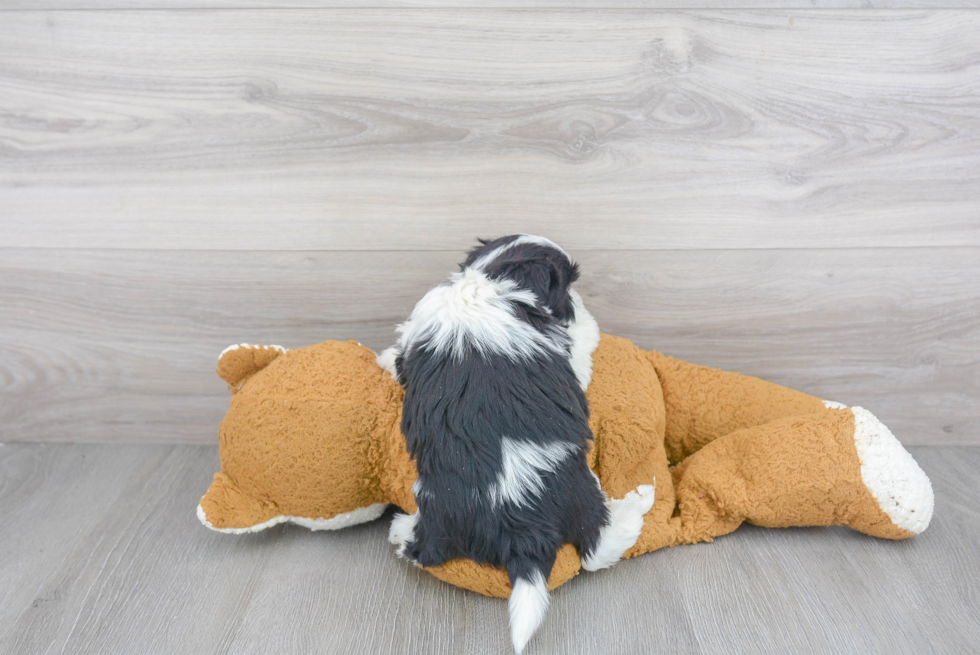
pixel 485 4
pixel 786 192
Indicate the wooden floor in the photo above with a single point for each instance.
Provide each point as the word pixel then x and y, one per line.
pixel 101 553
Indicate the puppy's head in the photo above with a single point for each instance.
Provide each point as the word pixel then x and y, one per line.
pixel 533 263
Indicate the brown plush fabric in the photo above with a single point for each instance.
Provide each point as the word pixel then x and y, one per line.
pixel 298 436
pixel 627 418
pixel 795 471
pixel 315 432
pixel 489 581
pixel 235 366
pixel 704 403
pixel 227 507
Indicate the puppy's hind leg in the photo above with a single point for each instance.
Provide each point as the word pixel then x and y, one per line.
pixel 401 534
pixel 528 597
pixel 412 537
pixel 624 527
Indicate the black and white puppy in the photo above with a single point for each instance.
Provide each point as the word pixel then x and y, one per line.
pixel 495 362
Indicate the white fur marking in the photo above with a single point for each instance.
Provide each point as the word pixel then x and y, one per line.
pixel 833 404
pixel 598 482
pixel 524 464
pixel 491 256
pixel 527 606
pixel 472 310
pixel 623 529
pixel 584 334
pixel 386 360
pixel 893 477
pixel 360 515
pixel 402 531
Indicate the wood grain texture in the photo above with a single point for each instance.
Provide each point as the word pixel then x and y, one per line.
pixel 47 5
pixel 405 129
pixel 121 345
pixel 102 554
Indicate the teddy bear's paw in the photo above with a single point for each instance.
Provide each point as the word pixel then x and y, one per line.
pixel 624 527
pixel 902 489
pixel 226 508
pixel 402 533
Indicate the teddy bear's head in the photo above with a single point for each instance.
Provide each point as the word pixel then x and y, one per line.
pixel 303 438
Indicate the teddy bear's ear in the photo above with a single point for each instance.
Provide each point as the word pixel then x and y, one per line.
pixel 226 508
pixel 237 362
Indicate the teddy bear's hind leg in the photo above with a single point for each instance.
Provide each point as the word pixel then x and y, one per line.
pixel 703 404
pixel 837 466
pixel 900 487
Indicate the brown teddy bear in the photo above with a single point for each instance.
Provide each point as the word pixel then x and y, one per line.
pixel 313 437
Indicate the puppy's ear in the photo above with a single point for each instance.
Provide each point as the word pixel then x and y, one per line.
pixel 563 274
pixel 550 277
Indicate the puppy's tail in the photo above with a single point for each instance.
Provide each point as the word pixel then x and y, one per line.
pixel 528 600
